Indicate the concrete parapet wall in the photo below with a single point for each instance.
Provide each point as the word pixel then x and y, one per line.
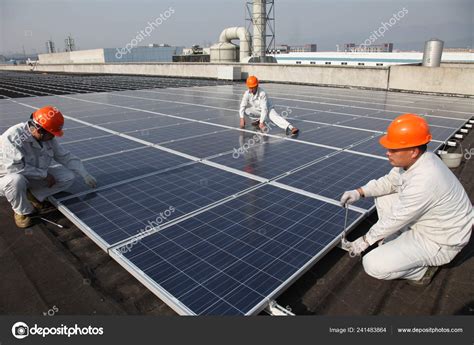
pixel 443 80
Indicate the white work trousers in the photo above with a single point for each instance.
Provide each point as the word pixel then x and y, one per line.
pixel 272 115
pixel 14 187
pixel 405 254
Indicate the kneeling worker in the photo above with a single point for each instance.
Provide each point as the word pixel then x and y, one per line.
pixel 259 108
pixel 26 153
pixel 425 216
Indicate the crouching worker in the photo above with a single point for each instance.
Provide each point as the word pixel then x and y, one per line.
pixel 26 153
pixel 256 105
pixel 425 216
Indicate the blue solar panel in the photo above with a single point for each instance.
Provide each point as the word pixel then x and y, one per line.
pixel 369 123
pixel 212 144
pixel 327 117
pixel 125 165
pixel 272 158
pixel 185 130
pixel 95 147
pixel 81 133
pixel 122 211
pixel 335 136
pixel 143 124
pixel 337 174
pixel 119 116
pixel 230 259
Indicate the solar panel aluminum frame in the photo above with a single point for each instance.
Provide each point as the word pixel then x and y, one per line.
pixel 181 309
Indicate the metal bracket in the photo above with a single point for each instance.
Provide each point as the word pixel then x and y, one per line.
pixel 458 136
pixel 468 125
pixel 275 309
pixel 463 130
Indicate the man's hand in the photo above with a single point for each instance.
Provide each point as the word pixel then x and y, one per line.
pixel 357 247
pixel 50 180
pixel 90 181
pixel 242 123
pixel 261 125
pixel 350 197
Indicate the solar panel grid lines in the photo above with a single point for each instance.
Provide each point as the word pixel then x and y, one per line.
pixel 118 212
pixel 266 244
pixel 243 229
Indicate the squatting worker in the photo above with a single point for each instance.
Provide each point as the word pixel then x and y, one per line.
pixel 425 216
pixel 256 105
pixel 26 153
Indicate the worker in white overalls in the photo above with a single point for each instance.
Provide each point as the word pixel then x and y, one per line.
pixel 425 216
pixel 259 108
pixel 26 153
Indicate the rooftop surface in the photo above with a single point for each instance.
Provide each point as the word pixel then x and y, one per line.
pixel 65 272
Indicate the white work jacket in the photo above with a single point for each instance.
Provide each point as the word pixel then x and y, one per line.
pixel 259 102
pixel 431 201
pixel 21 153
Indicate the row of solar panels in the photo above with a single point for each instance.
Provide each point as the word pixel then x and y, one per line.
pixel 225 234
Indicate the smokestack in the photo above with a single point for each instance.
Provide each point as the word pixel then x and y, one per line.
pixel 259 19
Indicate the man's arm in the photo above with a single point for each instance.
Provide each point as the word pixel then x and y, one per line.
pixel 67 159
pixel 243 105
pixel 263 106
pixel 384 185
pixel 412 203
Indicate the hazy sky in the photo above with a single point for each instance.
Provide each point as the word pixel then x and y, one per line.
pixel 107 23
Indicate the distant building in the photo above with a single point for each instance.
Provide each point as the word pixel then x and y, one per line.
pixel 307 48
pixel 154 53
pixel 281 49
pixel 151 53
pixel 194 54
pixel 2 59
pixel 373 48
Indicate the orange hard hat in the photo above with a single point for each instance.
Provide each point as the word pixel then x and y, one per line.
pixel 407 130
pixel 252 82
pixel 50 119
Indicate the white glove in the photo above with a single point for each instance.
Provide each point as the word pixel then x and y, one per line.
pixel 90 181
pixel 349 197
pixel 357 247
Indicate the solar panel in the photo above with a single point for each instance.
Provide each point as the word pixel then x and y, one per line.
pixel 335 136
pixel 123 166
pixel 94 147
pixel 212 144
pixel 232 241
pixel 141 124
pixel 270 160
pixel 81 133
pixel 176 132
pixel 341 172
pixel 114 214
pixel 327 117
pixel 231 259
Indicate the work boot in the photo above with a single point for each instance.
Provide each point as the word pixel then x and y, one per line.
pixel 292 131
pixel 23 220
pixel 41 207
pixel 427 278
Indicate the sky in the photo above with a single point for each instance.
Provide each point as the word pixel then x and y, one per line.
pixel 28 24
